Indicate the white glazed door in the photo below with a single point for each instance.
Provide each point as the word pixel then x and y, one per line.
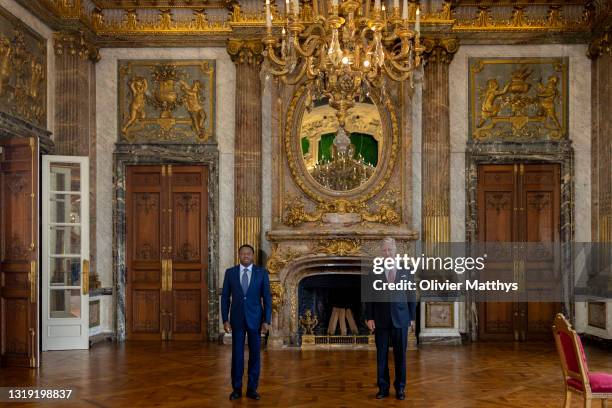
pixel 65 253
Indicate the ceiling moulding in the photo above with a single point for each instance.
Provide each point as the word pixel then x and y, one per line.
pixel 155 23
pixel 156 4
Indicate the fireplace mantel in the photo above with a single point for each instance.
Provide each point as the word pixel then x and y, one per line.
pixel 299 253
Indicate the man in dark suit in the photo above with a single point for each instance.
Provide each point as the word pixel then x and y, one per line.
pixel 244 287
pixel 390 321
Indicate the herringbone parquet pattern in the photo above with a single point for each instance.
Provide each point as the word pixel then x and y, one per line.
pixel 197 375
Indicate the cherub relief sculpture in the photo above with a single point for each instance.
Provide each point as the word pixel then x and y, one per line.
pixel 192 102
pixel 5 62
pixel 139 87
pixel 489 107
pixel 38 74
pixel 547 95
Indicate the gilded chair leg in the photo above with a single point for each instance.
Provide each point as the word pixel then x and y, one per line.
pixel 604 403
pixel 568 399
pixel 587 403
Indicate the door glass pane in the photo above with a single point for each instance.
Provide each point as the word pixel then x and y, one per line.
pixel 65 303
pixel 65 240
pixel 65 271
pixel 65 208
pixel 65 177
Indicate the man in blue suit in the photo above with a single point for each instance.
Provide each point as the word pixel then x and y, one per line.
pixel 390 321
pixel 244 287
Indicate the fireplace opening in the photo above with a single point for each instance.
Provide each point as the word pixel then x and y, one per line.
pixel 330 306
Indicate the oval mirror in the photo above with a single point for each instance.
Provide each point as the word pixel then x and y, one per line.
pixel 341 159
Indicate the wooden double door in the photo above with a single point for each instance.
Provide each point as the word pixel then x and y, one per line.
pixel 167 252
pixel 19 296
pixel 520 203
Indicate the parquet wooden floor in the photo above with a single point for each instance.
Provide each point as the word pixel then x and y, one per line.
pixel 140 374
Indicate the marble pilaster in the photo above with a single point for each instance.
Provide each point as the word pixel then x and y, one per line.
pixel 247 56
pixel 436 140
pixel 601 172
pixel 75 114
pixel 435 164
pixel 601 141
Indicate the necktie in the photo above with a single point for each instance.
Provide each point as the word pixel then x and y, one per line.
pixel 391 277
pixel 245 281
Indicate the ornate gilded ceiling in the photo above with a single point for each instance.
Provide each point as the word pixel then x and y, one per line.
pixel 202 22
pixel 110 4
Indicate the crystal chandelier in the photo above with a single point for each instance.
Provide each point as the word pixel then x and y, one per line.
pixel 345 53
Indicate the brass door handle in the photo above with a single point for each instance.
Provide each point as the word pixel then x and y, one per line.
pixel 169 274
pixel 85 277
pixel 32 279
pixel 163 274
pixel 32 348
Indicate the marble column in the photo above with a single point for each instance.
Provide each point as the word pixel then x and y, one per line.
pixel 75 115
pixel 435 169
pixel 247 56
pixel 436 140
pixel 601 143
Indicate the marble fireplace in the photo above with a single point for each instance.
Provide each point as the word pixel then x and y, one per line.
pixel 312 274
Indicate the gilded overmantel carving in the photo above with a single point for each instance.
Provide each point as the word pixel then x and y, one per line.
pixel 23 71
pixel 387 211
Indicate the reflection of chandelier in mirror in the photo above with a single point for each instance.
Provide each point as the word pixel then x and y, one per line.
pixel 343 171
pixel 345 52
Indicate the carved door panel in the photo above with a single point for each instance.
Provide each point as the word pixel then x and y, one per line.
pixel 188 260
pixel 540 206
pixel 519 203
pixel 144 201
pixel 497 223
pixel 19 253
pixel 166 252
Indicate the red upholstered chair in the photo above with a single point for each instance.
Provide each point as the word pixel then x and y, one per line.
pixel 578 379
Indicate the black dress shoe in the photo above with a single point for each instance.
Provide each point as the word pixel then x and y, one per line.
pixel 382 394
pixel 400 394
pixel 252 394
pixel 235 395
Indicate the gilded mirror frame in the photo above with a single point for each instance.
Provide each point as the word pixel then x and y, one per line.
pixel 297 165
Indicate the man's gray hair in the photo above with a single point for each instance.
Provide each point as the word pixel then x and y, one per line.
pixel 389 241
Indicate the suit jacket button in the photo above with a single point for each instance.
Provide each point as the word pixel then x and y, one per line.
pixel 245 298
